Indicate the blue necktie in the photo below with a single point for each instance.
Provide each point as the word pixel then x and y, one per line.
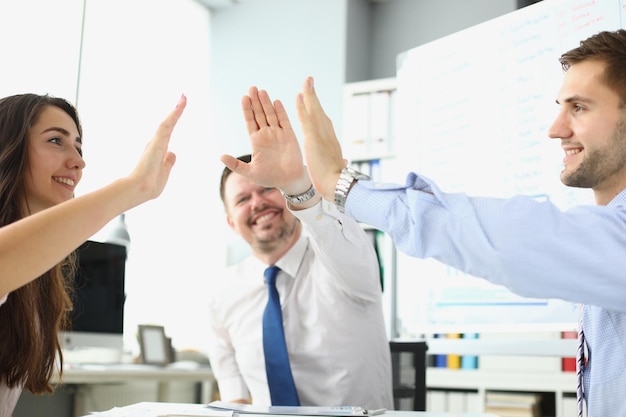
pixel 279 378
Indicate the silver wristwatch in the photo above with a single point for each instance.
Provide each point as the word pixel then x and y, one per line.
pixel 347 177
pixel 300 198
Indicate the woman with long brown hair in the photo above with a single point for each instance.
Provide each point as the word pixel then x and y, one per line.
pixel 41 224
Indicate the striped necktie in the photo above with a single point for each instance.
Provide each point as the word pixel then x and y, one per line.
pixel 277 369
pixel 580 364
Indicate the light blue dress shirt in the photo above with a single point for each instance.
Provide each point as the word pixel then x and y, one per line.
pixel 531 247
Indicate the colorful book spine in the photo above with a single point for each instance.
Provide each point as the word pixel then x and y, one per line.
pixel 469 361
pixel 454 360
pixel 441 361
pixel 568 364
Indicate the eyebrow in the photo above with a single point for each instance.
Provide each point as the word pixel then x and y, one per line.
pixel 62 131
pixel 575 99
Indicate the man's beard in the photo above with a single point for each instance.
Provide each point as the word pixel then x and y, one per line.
pixel 285 232
pixel 600 164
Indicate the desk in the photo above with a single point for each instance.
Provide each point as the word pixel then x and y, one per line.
pixel 81 379
pixel 155 409
pixel 112 374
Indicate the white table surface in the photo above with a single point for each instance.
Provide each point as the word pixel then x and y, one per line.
pixel 155 409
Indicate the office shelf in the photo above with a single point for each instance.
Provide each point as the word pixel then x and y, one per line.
pixel 476 379
pixel 368 124
pixel 557 388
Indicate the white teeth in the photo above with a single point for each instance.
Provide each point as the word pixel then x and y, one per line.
pixel 265 218
pixel 67 181
pixel 572 152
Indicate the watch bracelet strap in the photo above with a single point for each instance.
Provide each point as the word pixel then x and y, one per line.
pixel 300 198
pixel 346 180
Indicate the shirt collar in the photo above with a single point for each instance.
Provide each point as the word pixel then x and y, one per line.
pixel 618 200
pixel 291 261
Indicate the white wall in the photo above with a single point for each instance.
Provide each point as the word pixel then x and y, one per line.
pixel 39 53
pixel 275 45
pixel 138 56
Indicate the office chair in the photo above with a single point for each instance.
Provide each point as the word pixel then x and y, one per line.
pixel 409 388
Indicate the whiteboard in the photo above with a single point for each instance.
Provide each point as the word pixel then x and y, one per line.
pixel 473 110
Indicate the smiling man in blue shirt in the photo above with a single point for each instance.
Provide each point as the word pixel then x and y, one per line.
pixel 577 255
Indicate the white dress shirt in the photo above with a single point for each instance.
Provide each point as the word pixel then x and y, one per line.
pixel 331 298
pixel 532 248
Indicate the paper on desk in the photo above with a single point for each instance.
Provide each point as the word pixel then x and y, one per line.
pixel 156 409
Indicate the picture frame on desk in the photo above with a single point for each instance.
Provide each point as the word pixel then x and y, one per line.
pixel 154 345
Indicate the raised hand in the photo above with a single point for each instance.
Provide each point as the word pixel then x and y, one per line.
pixel 276 155
pixel 154 167
pixel 322 150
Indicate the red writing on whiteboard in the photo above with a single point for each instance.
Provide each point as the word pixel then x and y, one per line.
pixel 583 5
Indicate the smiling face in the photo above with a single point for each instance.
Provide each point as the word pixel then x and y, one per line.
pixel 592 128
pixel 55 163
pixel 259 215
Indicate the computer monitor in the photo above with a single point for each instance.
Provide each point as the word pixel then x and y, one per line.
pixel 97 320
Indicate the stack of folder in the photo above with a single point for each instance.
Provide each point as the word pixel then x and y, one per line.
pixel 514 404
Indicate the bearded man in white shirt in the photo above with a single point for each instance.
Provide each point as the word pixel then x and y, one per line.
pixel 329 283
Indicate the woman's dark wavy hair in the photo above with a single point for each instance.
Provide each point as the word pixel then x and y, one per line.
pixel 608 47
pixel 31 317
